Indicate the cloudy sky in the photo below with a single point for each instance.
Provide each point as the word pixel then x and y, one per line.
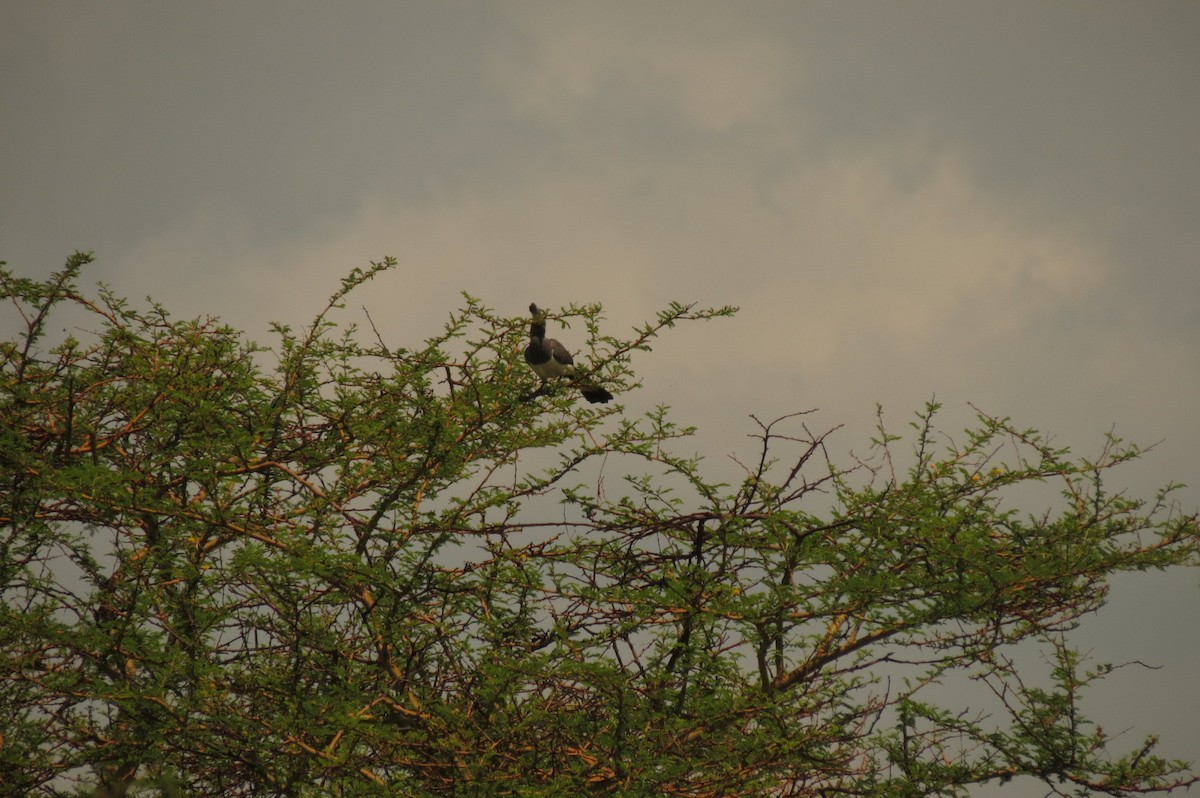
pixel 995 203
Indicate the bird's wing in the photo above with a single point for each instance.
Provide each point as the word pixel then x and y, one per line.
pixel 559 352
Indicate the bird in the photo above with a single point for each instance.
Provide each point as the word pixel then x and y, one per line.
pixel 549 359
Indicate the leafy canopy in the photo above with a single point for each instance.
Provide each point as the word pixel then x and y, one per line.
pixel 329 568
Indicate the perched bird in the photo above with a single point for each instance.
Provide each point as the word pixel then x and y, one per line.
pixel 548 358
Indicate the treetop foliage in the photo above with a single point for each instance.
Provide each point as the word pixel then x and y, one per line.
pixel 326 567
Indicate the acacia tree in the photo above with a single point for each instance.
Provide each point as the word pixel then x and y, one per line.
pixel 327 568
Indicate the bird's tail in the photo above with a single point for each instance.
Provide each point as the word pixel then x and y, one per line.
pixel 595 393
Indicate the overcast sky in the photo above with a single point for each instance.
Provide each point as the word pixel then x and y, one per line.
pixel 996 203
